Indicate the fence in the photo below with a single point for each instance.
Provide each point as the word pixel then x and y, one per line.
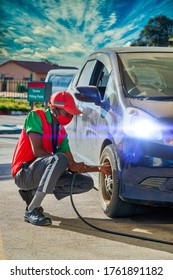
pixel 13 88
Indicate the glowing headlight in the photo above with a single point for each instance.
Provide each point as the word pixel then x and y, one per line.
pixel 139 124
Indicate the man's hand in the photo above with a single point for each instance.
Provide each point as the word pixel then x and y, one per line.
pixel 105 168
pixel 81 167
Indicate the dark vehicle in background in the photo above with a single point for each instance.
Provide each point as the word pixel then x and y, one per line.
pixel 126 95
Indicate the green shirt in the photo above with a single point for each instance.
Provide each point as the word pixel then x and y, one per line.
pixel 33 123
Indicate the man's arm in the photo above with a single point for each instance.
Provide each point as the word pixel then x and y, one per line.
pixel 81 167
pixel 36 144
pixel 78 167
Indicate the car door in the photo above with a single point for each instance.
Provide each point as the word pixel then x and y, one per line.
pixel 75 129
pixel 91 128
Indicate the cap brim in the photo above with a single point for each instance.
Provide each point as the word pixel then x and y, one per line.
pixel 73 111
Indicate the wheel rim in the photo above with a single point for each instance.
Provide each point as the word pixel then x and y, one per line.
pixel 107 186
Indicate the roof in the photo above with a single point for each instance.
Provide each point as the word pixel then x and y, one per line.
pixel 135 49
pixel 38 67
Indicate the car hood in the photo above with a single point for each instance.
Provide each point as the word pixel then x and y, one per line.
pixel 158 109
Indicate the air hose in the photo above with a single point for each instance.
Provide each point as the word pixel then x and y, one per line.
pixel 110 231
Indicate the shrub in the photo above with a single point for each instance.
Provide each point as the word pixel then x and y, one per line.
pixel 12 104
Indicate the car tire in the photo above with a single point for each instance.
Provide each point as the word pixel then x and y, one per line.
pixel 109 187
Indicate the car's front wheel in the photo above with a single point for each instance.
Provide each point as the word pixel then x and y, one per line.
pixel 109 186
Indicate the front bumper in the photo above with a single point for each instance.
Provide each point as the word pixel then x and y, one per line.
pixel 144 185
pixel 147 173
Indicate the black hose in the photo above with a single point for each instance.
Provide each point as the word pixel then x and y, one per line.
pixel 110 231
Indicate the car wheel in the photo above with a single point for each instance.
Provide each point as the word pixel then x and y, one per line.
pixel 109 186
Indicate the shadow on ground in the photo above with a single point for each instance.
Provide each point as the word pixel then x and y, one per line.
pixel 135 230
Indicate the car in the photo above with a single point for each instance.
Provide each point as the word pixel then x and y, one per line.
pixel 126 98
pixel 60 78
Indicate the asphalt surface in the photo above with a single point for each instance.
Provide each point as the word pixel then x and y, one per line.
pixel 68 238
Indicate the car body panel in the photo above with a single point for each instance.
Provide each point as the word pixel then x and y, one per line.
pixel 159 109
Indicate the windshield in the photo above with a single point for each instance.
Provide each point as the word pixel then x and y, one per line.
pixel 147 75
pixel 61 80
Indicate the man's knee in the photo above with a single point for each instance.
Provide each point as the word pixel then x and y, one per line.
pixel 62 160
pixel 58 159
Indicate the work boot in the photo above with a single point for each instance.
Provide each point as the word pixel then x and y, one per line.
pixel 37 218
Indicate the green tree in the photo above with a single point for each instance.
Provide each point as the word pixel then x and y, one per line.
pixel 156 32
pixel 48 61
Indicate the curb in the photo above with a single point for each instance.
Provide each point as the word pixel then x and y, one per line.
pixel 14 113
pixel 10 129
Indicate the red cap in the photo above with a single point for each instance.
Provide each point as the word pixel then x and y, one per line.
pixel 65 101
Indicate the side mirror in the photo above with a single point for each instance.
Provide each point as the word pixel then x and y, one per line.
pixel 88 94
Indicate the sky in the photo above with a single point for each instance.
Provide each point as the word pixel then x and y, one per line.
pixel 65 32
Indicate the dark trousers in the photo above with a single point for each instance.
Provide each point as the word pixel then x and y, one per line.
pixel 49 174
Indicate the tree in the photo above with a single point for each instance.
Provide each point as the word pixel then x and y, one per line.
pixel 48 62
pixel 156 32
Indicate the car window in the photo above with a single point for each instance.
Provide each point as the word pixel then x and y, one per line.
pixel 60 80
pixel 85 77
pixel 96 73
pixel 103 80
pixel 99 78
pixel 111 95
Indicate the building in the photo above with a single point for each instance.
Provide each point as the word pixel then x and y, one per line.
pixel 27 70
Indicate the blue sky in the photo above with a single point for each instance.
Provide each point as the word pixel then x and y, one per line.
pixel 66 31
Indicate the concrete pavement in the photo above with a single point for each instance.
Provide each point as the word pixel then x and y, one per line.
pixel 11 124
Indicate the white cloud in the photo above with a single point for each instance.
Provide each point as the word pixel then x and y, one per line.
pixel 75 47
pixel 66 10
pixel 26 51
pixel 11 28
pixel 43 30
pixel 53 50
pixel 23 39
pixel 39 55
pixel 4 53
pixel 111 21
pixel 80 20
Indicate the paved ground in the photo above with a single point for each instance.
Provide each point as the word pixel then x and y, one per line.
pixel 68 238
pixel 11 124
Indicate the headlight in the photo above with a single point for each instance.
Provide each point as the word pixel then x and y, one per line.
pixel 139 124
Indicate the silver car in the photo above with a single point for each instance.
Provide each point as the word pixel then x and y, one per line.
pixel 126 95
pixel 60 78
